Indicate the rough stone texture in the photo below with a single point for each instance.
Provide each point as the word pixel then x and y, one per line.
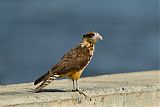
pixel 139 89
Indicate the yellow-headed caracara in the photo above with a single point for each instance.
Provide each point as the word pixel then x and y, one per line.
pixel 72 63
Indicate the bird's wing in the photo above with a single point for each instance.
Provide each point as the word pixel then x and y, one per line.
pixel 75 59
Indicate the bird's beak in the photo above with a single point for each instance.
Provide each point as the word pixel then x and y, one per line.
pixel 98 37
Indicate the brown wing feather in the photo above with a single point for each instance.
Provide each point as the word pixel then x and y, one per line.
pixel 76 59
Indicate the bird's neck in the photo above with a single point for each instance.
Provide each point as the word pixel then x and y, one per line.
pixel 86 43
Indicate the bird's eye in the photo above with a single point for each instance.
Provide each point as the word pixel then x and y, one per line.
pixel 92 34
pixel 89 35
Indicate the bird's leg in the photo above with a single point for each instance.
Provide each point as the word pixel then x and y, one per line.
pixel 77 86
pixel 74 88
pixel 78 90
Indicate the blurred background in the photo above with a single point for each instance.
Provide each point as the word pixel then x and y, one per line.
pixel 34 34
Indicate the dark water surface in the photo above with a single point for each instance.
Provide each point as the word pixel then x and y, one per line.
pixel 34 34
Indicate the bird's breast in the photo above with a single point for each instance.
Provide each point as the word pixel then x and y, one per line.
pixel 75 75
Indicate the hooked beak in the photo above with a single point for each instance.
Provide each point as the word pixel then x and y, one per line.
pixel 98 37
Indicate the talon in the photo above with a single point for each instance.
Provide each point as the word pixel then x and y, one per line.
pixel 79 89
pixel 80 92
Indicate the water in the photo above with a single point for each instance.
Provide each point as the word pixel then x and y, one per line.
pixel 34 34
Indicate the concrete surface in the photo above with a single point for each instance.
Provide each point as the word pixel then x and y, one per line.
pixel 139 89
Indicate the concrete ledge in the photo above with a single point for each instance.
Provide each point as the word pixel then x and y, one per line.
pixel 140 89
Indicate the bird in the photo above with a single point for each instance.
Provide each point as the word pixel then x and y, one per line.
pixel 73 63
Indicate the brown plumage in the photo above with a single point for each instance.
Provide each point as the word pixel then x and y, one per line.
pixel 72 63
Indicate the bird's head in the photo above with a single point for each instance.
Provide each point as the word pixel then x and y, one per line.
pixel 92 37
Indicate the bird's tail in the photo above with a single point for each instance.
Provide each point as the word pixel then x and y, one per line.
pixel 40 79
pixel 46 78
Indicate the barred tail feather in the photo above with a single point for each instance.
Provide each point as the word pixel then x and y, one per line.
pixel 45 83
pixel 40 79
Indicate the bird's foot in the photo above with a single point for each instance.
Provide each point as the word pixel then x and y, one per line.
pixel 75 90
pixel 80 91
